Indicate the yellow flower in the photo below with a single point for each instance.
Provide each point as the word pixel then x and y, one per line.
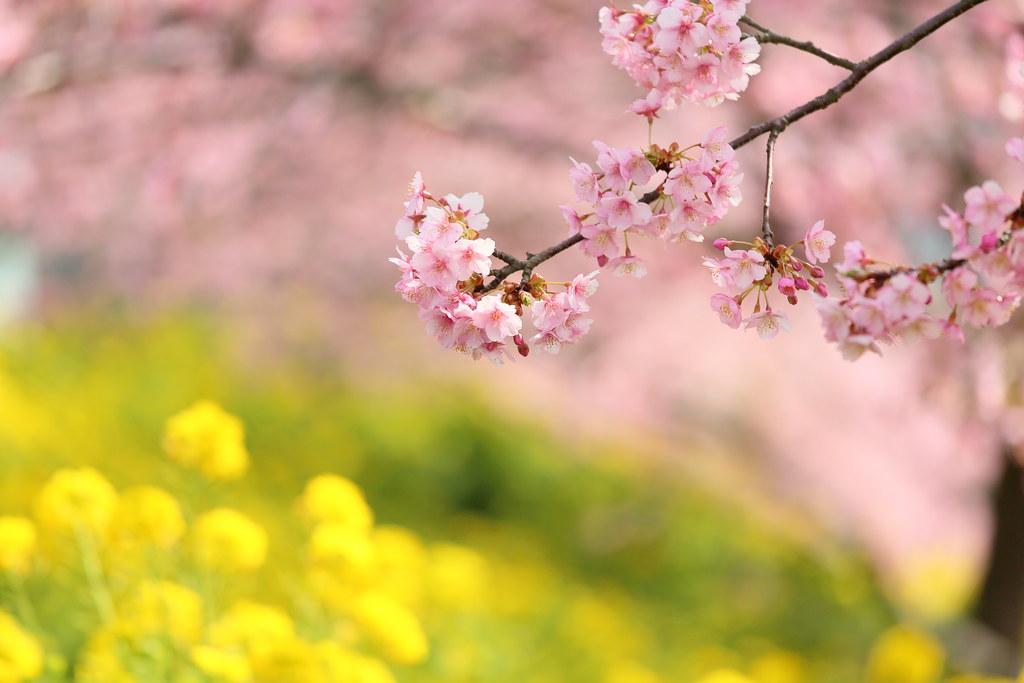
pixel 162 607
pixel 778 667
pixel 936 586
pixel 458 575
pixel 399 560
pixel 206 438
pixel 330 498
pixel 147 514
pixel 629 672
pixel 905 655
pixel 291 660
pixel 221 665
pixel 17 544
pixel 344 666
pixel 21 657
pixel 227 540
pixel 76 499
pixel 250 625
pixel 724 676
pixel 100 661
pixel 391 627
pixel 339 548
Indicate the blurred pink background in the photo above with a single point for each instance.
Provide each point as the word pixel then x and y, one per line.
pixel 252 155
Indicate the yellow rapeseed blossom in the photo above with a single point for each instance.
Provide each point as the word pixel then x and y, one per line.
pixel 150 515
pixel 458 575
pixel 342 550
pixel 17 544
pixel 399 560
pixel 391 627
pixel 630 672
pixel 724 676
pixel 226 540
pixel 778 667
pixel 905 655
pixel 936 586
pixel 100 662
pixel 291 660
pixel 206 438
pixel 345 666
pixel 221 665
pixel 250 625
pixel 21 657
pixel 76 499
pixel 165 608
pixel 330 498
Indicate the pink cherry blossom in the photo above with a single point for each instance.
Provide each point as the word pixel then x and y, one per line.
pixel 496 319
pixel 745 267
pixel 818 243
pixel 623 212
pixel 629 265
pixel 584 182
pixel 1015 148
pixel 727 309
pixel 768 324
pixel 903 298
pixel 987 206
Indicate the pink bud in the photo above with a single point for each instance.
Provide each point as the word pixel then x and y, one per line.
pixel 817 271
pixel 801 283
pixel 797 266
pixel 721 243
pixel 792 299
pixel 602 261
pixel 989 241
pixel 524 348
pixel 787 286
pixel 820 289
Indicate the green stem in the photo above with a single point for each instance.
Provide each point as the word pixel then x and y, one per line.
pixel 94 575
pixel 22 603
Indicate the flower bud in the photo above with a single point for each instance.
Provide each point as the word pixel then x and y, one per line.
pixel 801 283
pixel 820 289
pixel 792 300
pixel 817 271
pixel 602 261
pixel 797 266
pixel 787 286
pixel 721 243
pixel 524 348
pixel 989 241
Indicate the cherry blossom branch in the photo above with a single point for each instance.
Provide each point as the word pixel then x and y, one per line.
pixel 860 72
pixel 769 176
pixel 767 36
pixel 939 268
pixel 775 126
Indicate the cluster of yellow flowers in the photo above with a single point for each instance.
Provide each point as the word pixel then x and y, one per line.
pixel 157 583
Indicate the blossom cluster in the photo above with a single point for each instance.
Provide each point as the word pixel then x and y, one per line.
pixel 981 283
pixel 693 188
pixel 681 50
pixel 445 276
pixel 756 267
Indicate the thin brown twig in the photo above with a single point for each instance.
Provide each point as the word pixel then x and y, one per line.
pixel 767 36
pixel 769 178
